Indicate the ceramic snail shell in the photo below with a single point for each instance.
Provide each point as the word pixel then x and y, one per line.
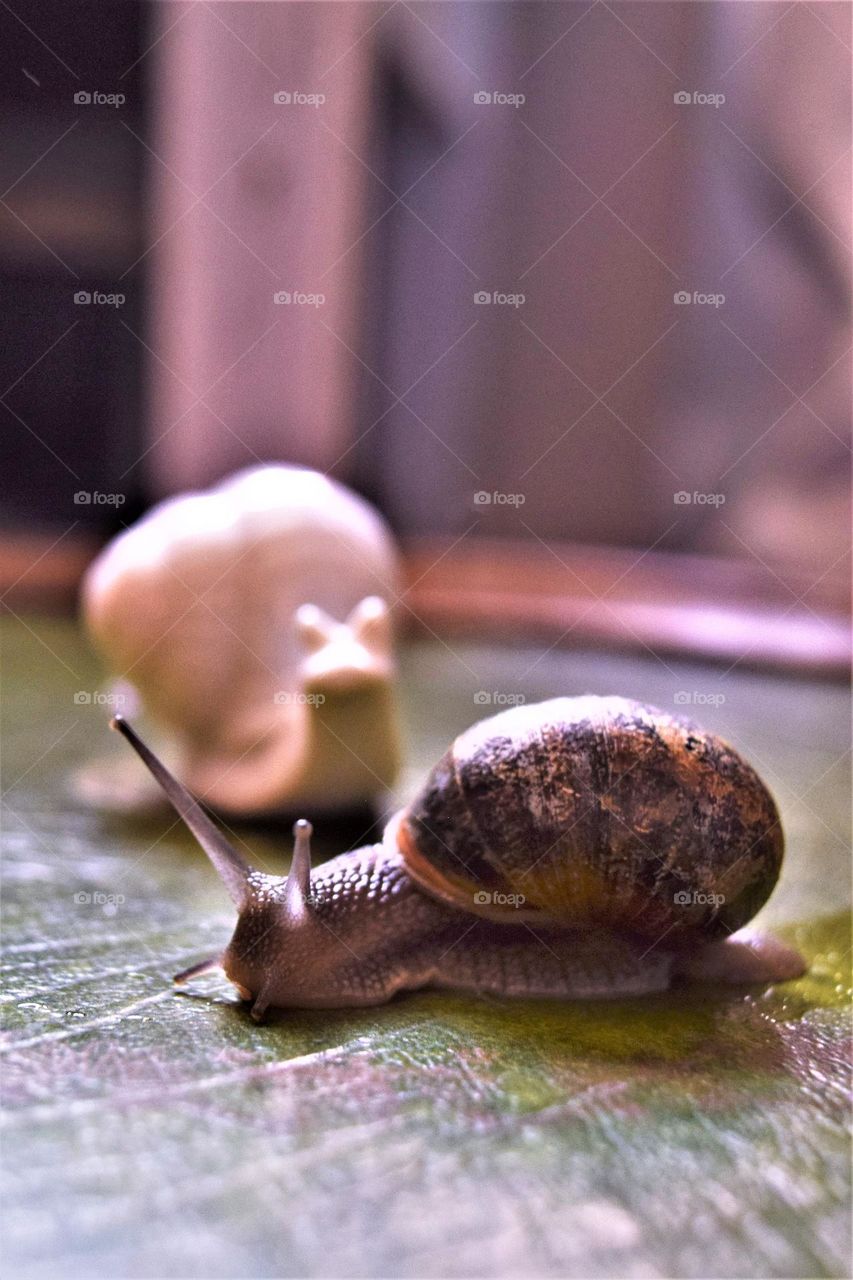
pixel 581 847
pixel 251 621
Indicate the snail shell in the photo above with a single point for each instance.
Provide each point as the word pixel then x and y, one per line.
pixel 250 619
pixel 596 811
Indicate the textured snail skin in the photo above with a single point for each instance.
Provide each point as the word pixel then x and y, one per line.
pixel 370 932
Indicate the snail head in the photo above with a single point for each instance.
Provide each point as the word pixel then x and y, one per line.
pixel 277 926
pixel 343 656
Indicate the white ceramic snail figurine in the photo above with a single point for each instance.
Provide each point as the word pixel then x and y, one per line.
pixel 251 621
pixel 579 847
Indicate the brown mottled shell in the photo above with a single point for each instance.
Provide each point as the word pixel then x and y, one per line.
pixel 597 811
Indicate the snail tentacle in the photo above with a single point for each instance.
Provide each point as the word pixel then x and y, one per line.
pixel 232 867
pixel 195 970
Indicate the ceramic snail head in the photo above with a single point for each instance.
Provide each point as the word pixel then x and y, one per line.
pixel 250 620
pixel 579 847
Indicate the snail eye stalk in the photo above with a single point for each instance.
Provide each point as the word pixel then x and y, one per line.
pixel 297 888
pixel 232 868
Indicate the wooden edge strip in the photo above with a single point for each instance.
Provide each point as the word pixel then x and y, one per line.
pixel 572 596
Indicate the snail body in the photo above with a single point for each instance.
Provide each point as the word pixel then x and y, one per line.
pixel 250 619
pixel 580 847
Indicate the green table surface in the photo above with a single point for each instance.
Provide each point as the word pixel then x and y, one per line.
pixel 148 1133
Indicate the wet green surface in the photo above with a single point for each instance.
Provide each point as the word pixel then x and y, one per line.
pixel 151 1134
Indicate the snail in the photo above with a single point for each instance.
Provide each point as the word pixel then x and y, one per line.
pixel 579 847
pixel 248 620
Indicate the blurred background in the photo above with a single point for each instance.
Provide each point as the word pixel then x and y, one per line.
pixel 563 288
